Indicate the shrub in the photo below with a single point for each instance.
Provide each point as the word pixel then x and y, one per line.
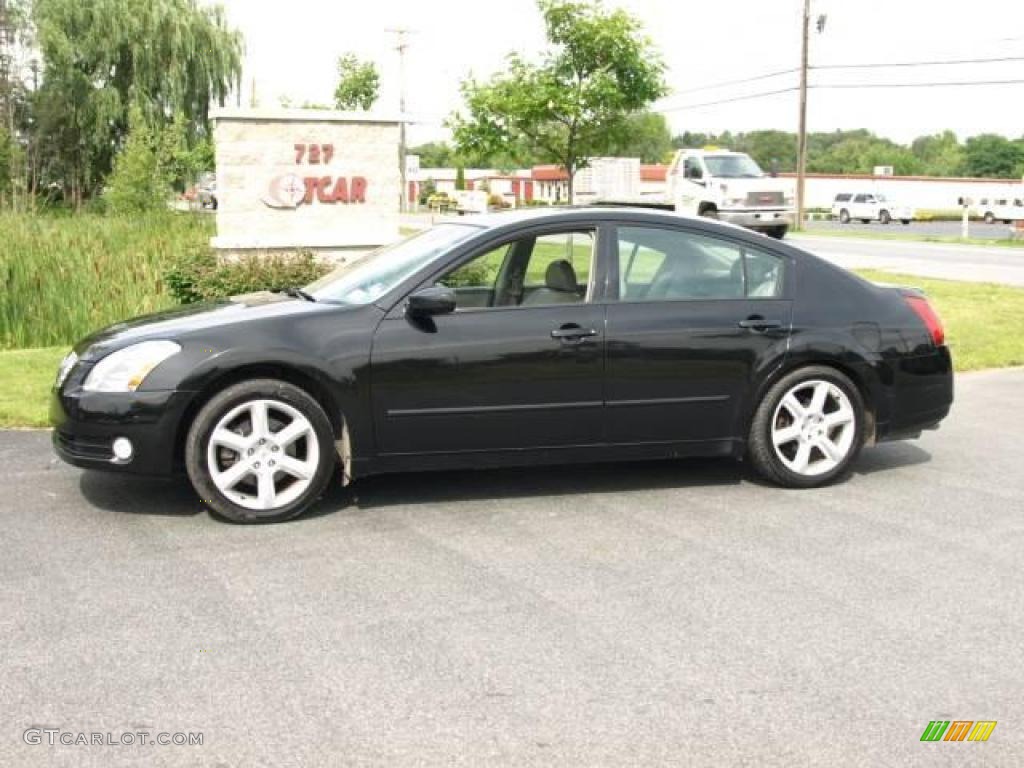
pixel 199 275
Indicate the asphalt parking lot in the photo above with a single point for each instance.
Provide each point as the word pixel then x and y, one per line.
pixel 652 614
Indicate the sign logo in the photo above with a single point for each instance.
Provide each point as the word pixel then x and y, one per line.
pixel 285 191
pixel 288 191
pixel 958 730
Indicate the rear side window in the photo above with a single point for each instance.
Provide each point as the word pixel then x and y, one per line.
pixel 658 264
pixel 860 199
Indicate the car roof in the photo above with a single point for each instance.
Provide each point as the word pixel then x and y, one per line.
pixel 582 213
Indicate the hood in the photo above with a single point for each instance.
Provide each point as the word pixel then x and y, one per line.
pixel 171 323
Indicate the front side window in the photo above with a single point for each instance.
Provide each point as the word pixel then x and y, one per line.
pixel 658 264
pixel 538 270
pixel 732 167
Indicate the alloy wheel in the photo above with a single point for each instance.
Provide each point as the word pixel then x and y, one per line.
pixel 263 454
pixel 813 428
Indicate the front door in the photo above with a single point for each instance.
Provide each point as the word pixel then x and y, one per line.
pixel 696 318
pixel 518 365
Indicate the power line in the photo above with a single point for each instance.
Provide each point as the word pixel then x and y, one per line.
pixel 741 81
pixel 872 65
pixel 748 97
pixel 950 84
pixel 932 63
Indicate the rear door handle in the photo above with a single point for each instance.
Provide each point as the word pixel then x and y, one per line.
pixel 758 324
pixel 572 333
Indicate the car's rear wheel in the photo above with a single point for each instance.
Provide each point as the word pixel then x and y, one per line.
pixel 808 428
pixel 990 218
pixel 844 216
pixel 260 451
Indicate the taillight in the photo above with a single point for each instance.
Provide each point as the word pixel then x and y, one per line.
pixel 931 320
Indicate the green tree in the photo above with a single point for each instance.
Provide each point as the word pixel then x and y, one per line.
pixel 460 178
pixel 358 83
pixel 598 70
pixel 154 160
pixel 102 59
pixel 992 155
pixel 434 154
pixel 140 180
pixel 767 147
pixel 644 135
pixel 941 154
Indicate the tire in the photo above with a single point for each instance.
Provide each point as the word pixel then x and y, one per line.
pixel 776 456
pixel 233 415
pixel 884 217
pixel 709 212
pixel 990 218
pixel 905 222
pixel 865 221
pixel 777 232
pixel 844 216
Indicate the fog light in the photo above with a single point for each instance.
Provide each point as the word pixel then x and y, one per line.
pixel 123 449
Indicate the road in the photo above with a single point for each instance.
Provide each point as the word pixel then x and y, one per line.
pixel 671 613
pixel 953 262
pixel 978 229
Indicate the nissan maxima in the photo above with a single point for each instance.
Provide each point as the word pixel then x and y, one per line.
pixel 579 335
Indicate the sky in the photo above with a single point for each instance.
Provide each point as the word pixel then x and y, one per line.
pixel 292 49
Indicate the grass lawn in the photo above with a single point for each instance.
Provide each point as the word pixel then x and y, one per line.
pixel 982 326
pixel 26 376
pixel 982 320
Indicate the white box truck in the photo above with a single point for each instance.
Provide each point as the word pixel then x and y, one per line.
pixel 721 184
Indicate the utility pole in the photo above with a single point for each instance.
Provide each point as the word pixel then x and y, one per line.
pixel 401 46
pixel 801 146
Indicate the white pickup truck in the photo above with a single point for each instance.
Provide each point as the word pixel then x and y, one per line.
pixel 723 185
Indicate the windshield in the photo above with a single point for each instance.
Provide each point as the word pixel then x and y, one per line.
pixel 732 166
pixel 367 279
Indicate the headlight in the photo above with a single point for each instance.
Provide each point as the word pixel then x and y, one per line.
pixel 65 368
pixel 126 369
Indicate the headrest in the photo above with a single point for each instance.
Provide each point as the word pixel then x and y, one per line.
pixel 560 276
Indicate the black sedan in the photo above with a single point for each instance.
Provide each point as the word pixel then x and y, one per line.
pixel 521 338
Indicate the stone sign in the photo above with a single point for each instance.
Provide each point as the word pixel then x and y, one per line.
pixel 301 179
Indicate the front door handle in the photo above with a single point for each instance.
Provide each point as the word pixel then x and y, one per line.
pixel 572 333
pixel 758 323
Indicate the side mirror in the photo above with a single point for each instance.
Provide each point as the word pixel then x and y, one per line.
pixel 436 300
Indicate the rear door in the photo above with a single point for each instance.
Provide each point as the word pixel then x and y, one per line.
pixel 692 323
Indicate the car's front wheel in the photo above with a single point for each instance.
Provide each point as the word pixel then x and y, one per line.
pixel 844 216
pixel 260 451
pixel 808 428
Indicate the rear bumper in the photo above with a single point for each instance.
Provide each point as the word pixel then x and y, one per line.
pixel 756 218
pixel 921 395
pixel 85 425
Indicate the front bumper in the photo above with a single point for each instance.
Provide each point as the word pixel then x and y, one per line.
pixel 757 218
pixel 85 425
